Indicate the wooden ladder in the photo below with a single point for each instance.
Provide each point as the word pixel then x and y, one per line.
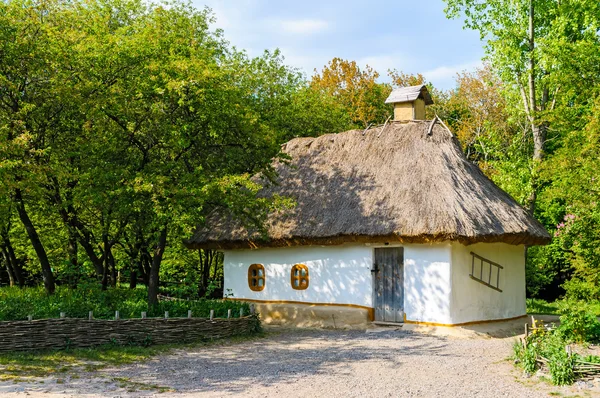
pixel 480 278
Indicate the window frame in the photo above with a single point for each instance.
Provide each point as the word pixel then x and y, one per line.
pixel 299 277
pixel 258 268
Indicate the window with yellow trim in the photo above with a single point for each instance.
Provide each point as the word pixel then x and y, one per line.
pixel 299 277
pixel 256 277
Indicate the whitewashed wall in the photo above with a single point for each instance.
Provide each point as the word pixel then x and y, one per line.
pixel 342 275
pixel 427 280
pixel 437 287
pixel 338 274
pixel 472 301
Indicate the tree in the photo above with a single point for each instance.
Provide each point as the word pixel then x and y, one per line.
pixel 127 123
pixel 522 39
pixel 356 89
pixel 401 79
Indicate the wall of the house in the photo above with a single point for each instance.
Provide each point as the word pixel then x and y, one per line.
pixel 342 275
pixel 437 286
pixel 472 301
pixel 338 274
pixel 427 280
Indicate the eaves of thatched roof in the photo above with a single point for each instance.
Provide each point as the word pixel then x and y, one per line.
pixel 405 182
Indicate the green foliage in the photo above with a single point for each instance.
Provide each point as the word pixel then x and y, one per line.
pixel 526 356
pixel 578 323
pixel 560 364
pixel 138 120
pixel 17 304
pixel 544 51
pixel 549 346
pixel 577 289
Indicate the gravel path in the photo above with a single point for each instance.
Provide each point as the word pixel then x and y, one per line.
pixel 314 363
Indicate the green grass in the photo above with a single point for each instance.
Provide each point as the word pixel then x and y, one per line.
pixel 17 304
pixel 542 307
pixel 23 366
pixel 48 363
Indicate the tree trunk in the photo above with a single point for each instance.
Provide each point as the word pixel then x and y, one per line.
pixel 154 270
pixel 91 253
pixel 106 264
pixel 113 269
pixel 532 108
pixel 69 217
pixel 36 243
pixel 145 265
pixel 133 278
pixel 9 271
pixel 134 264
pixel 72 250
pixel 206 260
pixel 13 261
pixel 218 260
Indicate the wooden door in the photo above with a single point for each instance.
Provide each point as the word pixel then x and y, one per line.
pixel 388 269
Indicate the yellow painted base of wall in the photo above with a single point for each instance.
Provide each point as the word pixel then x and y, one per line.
pixel 306 315
pixel 337 316
pixel 464 323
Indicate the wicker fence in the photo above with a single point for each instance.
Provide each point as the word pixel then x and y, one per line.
pixel 74 332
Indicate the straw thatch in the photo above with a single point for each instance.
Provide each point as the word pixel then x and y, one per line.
pixel 402 182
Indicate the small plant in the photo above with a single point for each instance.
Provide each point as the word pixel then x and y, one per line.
pixel 561 367
pixel 547 347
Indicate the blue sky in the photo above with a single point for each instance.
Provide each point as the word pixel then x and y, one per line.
pixel 414 37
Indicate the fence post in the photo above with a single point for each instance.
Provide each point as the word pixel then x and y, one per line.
pixel 526 330
pixel 212 314
pixel 62 315
pixel 91 315
pixel 166 314
pixel 241 312
pixel 229 313
pixel 252 309
pixel 30 318
pixel 116 315
pixel 143 314
pixel 189 313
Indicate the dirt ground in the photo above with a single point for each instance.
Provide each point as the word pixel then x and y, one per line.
pixel 395 362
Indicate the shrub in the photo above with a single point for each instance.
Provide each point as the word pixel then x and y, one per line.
pixel 577 289
pixel 17 304
pixel 560 363
pixel 578 323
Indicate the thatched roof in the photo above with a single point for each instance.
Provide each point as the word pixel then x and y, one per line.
pixel 403 182
pixel 409 94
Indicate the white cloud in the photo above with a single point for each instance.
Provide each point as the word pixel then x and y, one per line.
pixel 303 26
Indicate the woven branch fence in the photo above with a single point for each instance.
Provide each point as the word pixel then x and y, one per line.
pixel 76 332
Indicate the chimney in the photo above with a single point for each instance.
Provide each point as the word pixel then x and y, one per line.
pixel 409 102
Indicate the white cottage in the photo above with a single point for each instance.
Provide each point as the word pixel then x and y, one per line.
pixel 391 224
